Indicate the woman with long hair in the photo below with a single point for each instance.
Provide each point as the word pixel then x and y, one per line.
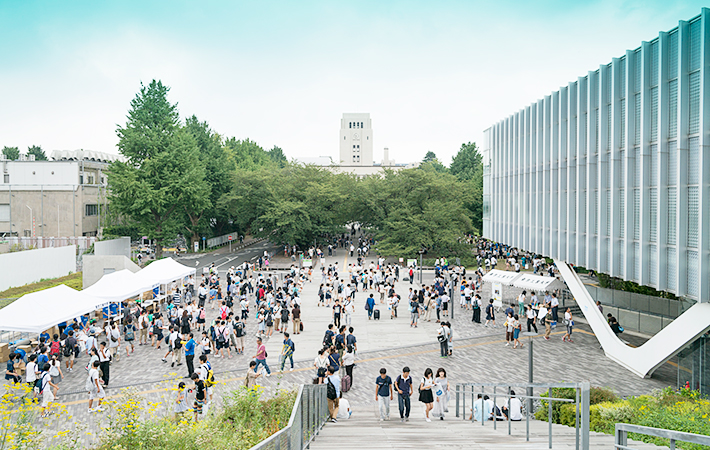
pixel 426 395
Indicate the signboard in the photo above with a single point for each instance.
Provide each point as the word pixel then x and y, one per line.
pixel 307 262
pixel 497 290
pixel 229 238
pixel 401 260
pixel 411 263
pixel 197 246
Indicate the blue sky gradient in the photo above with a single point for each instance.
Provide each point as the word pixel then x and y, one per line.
pixel 431 74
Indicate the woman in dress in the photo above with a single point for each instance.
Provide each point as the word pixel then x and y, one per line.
pixel 570 324
pixel 181 401
pixel 321 362
pixel 426 395
pixel 441 394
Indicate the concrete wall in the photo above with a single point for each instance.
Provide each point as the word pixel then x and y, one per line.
pixel 95 266
pixel 114 247
pixel 29 266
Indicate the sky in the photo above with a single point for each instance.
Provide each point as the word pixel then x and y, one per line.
pixel 432 75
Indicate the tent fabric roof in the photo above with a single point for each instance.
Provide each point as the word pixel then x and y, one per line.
pixel 501 276
pixel 39 311
pixel 538 283
pixel 119 286
pixel 164 271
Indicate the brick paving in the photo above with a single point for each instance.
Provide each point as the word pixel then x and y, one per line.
pixel 480 355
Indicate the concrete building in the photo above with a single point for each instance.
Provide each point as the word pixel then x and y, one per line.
pixel 356 139
pixel 612 171
pixel 60 197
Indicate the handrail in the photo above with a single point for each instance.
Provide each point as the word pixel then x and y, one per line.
pixel 621 431
pixel 581 403
pixel 309 413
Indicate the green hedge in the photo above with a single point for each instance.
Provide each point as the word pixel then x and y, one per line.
pixel 683 410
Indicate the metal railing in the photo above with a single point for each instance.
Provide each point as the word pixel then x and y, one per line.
pixel 502 390
pixel 623 429
pixel 310 412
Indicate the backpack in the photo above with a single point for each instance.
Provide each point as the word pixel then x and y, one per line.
pixel 220 336
pixel 332 394
pixel 67 351
pixel 209 380
pixel 129 333
pixel 269 320
pixel 202 314
pixel 223 315
pixel 239 329
pixel 55 348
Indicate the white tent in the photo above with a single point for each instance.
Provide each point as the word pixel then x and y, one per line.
pixel 538 283
pixel 39 311
pixel 164 271
pixel 119 286
pixel 501 276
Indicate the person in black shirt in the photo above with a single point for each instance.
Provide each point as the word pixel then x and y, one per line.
pixel 199 395
pixel 336 313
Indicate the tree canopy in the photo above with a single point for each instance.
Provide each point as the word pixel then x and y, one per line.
pixel 11 153
pixel 184 177
pixel 37 151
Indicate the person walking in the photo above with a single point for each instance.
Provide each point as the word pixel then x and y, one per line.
pixel 530 313
pixel 490 314
pixel 261 355
pixel 105 362
pixel 569 323
pixel 349 362
pixel 287 351
pixel 333 394
pixel 129 335
pixel 517 327
pixel 190 355
pixel 404 394
pixel 441 394
pixel 96 391
pixel 476 309
pixel 296 318
pixel 508 328
pixel 426 395
pixel 383 394
pixel 370 306
pixel 414 310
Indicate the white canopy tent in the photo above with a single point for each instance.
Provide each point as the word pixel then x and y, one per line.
pixel 39 311
pixel 501 276
pixel 164 271
pixel 538 283
pixel 118 286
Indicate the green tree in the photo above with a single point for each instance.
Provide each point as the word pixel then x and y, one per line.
pixel 278 157
pixel 163 174
pixel 11 153
pixel 430 156
pixel 247 154
pixel 38 152
pixel 467 166
pixel 217 176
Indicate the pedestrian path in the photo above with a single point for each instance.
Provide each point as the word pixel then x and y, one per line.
pixel 365 430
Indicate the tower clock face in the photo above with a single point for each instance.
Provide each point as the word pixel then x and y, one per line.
pixel 356 136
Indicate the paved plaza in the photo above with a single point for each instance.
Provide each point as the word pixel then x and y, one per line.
pixel 479 355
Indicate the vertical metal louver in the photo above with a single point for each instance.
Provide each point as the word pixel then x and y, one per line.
pixel 637 214
pixel 653 214
pixel 622 105
pixel 653 269
pixel 695 44
pixel 673 55
pixel 672 264
pixel 654 64
pixel 693 216
pixel 693 279
pixel 672 211
pixel 654 114
pixel 694 103
pixel 637 119
pixel 672 163
pixel 693 160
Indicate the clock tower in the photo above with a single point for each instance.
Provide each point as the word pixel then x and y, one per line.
pixel 356 139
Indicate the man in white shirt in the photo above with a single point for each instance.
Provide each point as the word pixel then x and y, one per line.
pixel 31 370
pixel 96 391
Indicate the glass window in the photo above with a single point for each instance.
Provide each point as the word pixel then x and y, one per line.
pixel 92 210
pixel 5 213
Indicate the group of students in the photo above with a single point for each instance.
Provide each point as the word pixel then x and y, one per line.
pixel 434 393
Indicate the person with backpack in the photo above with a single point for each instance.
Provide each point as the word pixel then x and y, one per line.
pixel 239 333
pixel 223 311
pixel 55 347
pixel 105 361
pixel 129 334
pixel 287 351
pixel 333 393
pixel 222 340
pixel 403 383
pixel 206 374
pixel 113 336
pixel 70 350
pixel 490 314
pixel 414 310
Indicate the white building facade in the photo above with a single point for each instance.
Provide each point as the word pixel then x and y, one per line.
pixel 612 171
pixel 356 140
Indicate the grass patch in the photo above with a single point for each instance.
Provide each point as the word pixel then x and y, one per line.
pixel 73 280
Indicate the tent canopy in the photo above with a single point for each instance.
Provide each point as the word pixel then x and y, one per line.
pixel 119 286
pixel 538 283
pixel 501 276
pixel 39 311
pixel 164 271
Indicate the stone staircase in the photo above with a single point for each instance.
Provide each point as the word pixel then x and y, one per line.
pixel 364 431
